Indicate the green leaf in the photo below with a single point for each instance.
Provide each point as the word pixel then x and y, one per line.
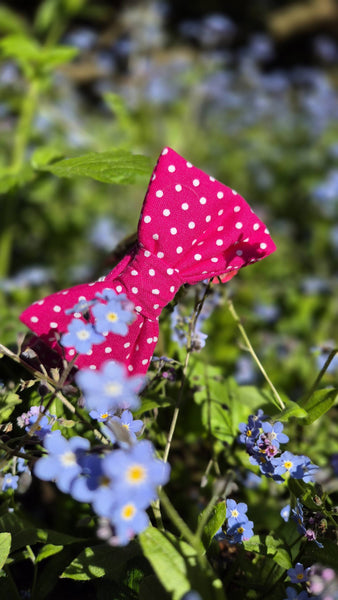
pixel 214 522
pixel 225 404
pixel 327 556
pixel 54 57
pixel 318 404
pixel 20 47
pixel 50 570
pixel 169 565
pixel 9 181
pixel 293 409
pixel 10 21
pixel 100 561
pixel 270 546
pixel 43 156
pixel 151 588
pixel 5 546
pixel 280 555
pixel 47 551
pixel 113 166
pixel 255 544
pixel 7 405
pixel 150 404
pixel 24 533
pixel 28 52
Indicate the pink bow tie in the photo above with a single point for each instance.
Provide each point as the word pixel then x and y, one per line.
pixel 191 228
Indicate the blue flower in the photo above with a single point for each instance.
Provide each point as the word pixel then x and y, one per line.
pixel 298 516
pixel 43 428
pixel 136 471
pixel 127 421
pixel 81 336
pixel 109 389
pixel 240 531
pixel 285 512
pixel 299 574
pixel 265 464
pixel 128 518
pixel 249 431
pixel 101 415
pixel 288 463
pixel 309 469
pixel 178 323
pixel 109 294
pixel 274 433
pixel 10 482
pixel 292 594
pixel 112 317
pixel 62 462
pixel 236 512
pixel 85 487
pixel 220 535
pixel 80 307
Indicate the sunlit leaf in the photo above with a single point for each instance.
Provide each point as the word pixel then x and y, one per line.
pixel 5 545
pixel 113 166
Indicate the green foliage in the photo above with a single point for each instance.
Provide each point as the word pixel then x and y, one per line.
pixel 7 405
pixel 214 523
pixel 176 565
pixel 32 57
pixel 113 166
pixel 318 404
pixel 5 545
pixel 100 561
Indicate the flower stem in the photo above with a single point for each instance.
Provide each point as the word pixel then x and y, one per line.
pixel 180 525
pixel 279 402
pixel 319 376
pixel 192 325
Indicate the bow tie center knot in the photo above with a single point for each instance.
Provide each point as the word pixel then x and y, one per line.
pixel 150 283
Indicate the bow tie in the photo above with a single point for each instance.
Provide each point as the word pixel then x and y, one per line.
pixel 191 228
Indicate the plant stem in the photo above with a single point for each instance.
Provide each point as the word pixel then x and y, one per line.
pixel 198 308
pixel 205 515
pixel 180 525
pixel 320 375
pixel 14 590
pixel 238 322
pixel 21 139
pixel 24 125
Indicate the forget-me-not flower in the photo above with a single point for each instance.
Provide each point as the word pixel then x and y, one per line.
pixel 81 336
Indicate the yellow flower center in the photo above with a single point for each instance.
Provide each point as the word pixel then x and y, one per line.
pixel 288 464
pixel 136 474
pixel 240 529
pixel 112 317
pixel 68 459
pixel 234 513
pixel 249 433
pixel 128 511
pixel 300 576
pixel 104 416
pixel 83 334
pixel 113 389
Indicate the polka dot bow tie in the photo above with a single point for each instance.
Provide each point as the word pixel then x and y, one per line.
pixel 191 228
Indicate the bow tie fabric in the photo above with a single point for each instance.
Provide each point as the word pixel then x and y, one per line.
pixel 191 228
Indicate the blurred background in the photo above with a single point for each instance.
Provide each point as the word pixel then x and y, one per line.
pixel 247 91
